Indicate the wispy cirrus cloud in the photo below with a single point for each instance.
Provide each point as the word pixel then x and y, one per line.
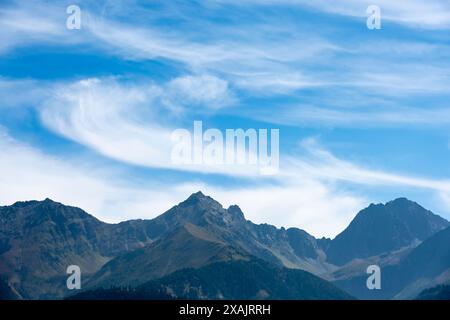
pixel 204 90
pixel 261 55
pixel 379 117
pixel 242 56
pixel 320 163
pixel 12 92
pixel 32 24
pixel 432 14
pixel 130 123
pixel 133 123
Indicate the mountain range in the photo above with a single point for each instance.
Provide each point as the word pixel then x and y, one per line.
pixel 200 250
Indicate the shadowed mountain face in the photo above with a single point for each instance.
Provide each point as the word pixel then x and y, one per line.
pixel 384 228
pixel 424 266
pixel 256 279
pixel 188 246
pixel 40 239
pixel 441 292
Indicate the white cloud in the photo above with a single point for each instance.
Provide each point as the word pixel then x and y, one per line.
pixel 317 207
pixel 125 123
pixel 33 23
pixel 432 14
pixel 129 123
pixel 281 62
pixel 12 92
pixel 205 90
pixel 270 82
pixel 261 56
pixel 243 56
pixel 321 164
pixel 305 115
pixel 105 116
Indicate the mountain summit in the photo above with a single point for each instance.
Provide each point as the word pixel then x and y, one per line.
pixel 382 228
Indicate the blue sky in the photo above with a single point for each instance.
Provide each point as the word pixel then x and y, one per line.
pixel 85 115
